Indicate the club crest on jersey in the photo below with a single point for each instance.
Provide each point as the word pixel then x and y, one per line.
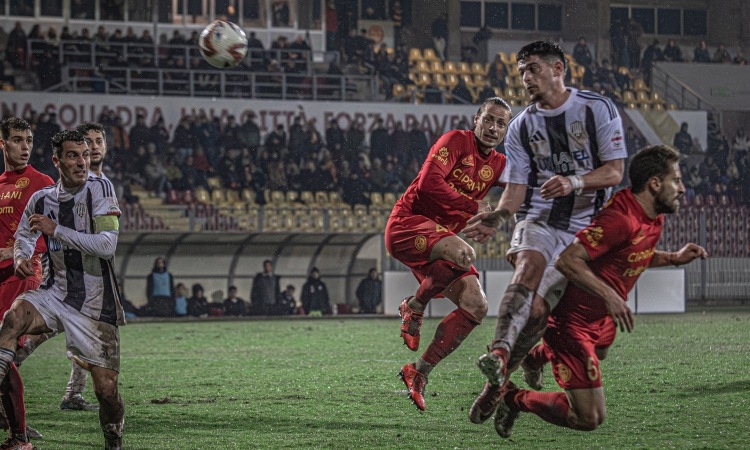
pixel 593 235
pixel 80 209
pixel 576 129
pixel 442 155
pixel 564 372
pixel 420 243
pixel 486 173
pixel 22 183
pixel 468 161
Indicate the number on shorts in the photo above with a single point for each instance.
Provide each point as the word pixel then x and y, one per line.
pixel 593 369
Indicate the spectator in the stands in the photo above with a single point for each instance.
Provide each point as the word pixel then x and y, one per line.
pixel 183 139
pixel 249 134
pixel 461 93
pixel 634 32
pixel 651 55
pixel 582 53
pixel 709 170
pixel 180 300
pixel 700 53
pixel 255 52
pixel 721 55
pixel 380 140
pixel 741 141
pixel 139 133
pixel 683 142
pixel 672 52
pixel 739 59
pixel 418 144
pixel 353 139
pixel 15 52
pixel 496 73
pixel 335 140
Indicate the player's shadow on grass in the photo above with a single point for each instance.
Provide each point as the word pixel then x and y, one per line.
pixel 713 389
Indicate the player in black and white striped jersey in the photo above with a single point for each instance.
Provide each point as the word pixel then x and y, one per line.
pixel 78 218
pixel 565 151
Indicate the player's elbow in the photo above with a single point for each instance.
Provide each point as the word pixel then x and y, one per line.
pixel 615 172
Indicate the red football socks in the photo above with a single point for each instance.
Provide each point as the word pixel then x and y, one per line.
pixel 550 406
pixel 449 334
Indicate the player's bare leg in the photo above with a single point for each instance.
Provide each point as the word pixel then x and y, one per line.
pixel 515 308
pixel 73 399
pixel 112 408
pixel 20 319
pixel 450 258
pixel 579 409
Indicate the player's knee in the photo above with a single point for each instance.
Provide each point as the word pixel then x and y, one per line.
pixel 14 323
pixel 105 389
pixel 590 420
pixel 475 302
pixel 464 256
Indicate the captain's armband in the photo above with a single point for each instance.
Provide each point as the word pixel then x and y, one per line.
pixel 106 223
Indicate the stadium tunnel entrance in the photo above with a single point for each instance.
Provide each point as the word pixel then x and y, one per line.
pixel 220 260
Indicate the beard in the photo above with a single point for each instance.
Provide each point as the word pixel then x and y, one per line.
pixel 664 206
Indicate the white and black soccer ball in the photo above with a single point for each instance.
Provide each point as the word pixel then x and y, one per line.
pixel 223 44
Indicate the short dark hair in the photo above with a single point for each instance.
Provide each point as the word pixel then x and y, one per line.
pixel 652 161
pixel 85 127
pixel 63 136
pixel 493 101
pixel 543 49
pixel 13 123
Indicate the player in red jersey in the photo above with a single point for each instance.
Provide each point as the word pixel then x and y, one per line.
pixel 603 264
pixel 17 183
pixel 458 172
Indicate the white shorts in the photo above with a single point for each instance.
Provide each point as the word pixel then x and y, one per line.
pixel 93 341
pixel 550 242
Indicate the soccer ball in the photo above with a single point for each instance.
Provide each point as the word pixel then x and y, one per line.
pixel 223 44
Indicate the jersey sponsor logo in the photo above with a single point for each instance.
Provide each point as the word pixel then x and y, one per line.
pixel 576 129
pixel 634 272
pixel 442 155
pixel 420 243
pixel 465 182
pixel 593 235
pixel 563 162
pixel 468 161
pixel 640 256
pixel 14 195
pixel 564 372
pixel 486 173
pixel 22 183
pixel 6 210
pixel 54 244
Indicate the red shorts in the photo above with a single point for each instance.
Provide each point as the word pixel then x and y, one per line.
pixel 410 240
pixel 12 289
pixel 571 348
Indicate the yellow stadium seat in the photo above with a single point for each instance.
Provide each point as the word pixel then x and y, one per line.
pixel 429 54
pixel 415 54
pixel 450 67
pixel 436 66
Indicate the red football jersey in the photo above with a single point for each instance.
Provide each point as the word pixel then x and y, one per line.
pixel 15 189
pixel 621 241
pixel 454 175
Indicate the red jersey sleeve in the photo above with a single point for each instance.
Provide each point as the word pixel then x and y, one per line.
pixel 449 149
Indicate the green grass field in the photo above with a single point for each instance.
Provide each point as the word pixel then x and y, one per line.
pixel 678 381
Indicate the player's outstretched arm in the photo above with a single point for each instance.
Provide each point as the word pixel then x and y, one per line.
pixel 685 255
pixel 607 175
pixel 482 226
pixel 572 263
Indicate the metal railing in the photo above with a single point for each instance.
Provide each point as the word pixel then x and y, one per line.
pixel 677 92
pixel 236 83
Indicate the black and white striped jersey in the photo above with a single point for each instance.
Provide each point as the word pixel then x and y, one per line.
pixel 573 139
pixel 80 255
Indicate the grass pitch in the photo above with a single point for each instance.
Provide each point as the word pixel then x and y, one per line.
pixel 678 381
